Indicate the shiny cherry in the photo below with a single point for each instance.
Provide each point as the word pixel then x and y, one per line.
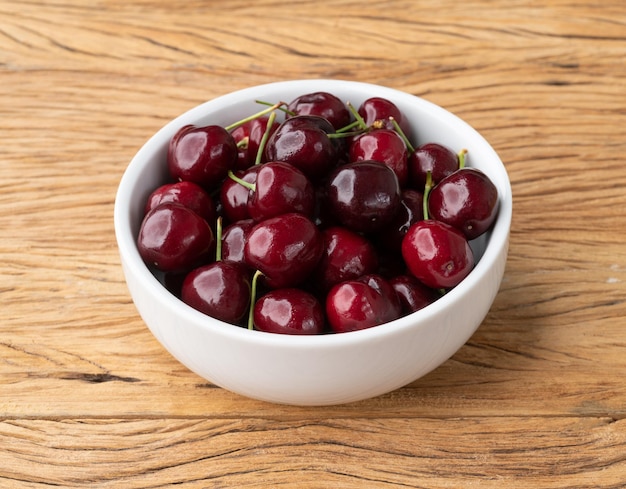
pixel 413 294
pixel 322 104
pixel 303 142
pixel 435 158
pixel 437 254
pixel 466 199
pixel 411 210
pixel 173 238
pixel 234 196
pixel 187 194
pixel 284 248
pixel 280 188
pixel 347 256
pixel 202 155
pixel 376 111
pixel 364 196
pixel 234 239
pixel 359 304
pixel 385 146
pixel 289 311
pixel 248 137
pixel 220 289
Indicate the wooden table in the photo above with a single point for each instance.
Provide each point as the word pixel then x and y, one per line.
pixel 88 398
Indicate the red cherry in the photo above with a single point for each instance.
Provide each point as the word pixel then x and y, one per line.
pixel 378 110
pixel 435 158
pixel 466 199
pixel 385 146
pixel 364 196
pixel 285 249
pixel 187 194
pixel 234 196
pixel 174 238
pixel 234 239
pixel 347 256
pixel 322 104
pixel 437 254
pixel 280 188
pixel 289 311
pixel 411 210
pixel 359 304
pixel 413 294
pixel 248 137
pixel 202 155
pixel 220 289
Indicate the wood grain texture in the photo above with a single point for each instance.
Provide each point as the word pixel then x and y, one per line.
pixel 88 398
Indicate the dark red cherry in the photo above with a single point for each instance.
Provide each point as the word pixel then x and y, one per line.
pixel 289 311
pixel 248 137
pixel 359 304
pixel 220 289
pixel 385 146
pixel 173 238
pixel 413 294
pixel 285 249
pixel 437 254
pixel 377 111
pixel 234 196
pixel 280 188
pixel 435 158
pixel 347 256
pixel 466 199
pixel 301 142
pixel 364 196
pixel 234 239
pixel 202 155
pixel 322 104
pixel 187 194
pixel 411 210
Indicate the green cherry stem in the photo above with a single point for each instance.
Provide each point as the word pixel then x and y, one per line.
pixel 427 188
pixel 266 135
pixel 404 137
pixel 248 185
pixel 462 158
pixel 218 239
pixel 281 107
pixel 361 123
pixel 253 286
pixel 254 116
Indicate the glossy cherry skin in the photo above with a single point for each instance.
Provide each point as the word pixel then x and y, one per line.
pixel 285 249
pixel 411 210
pixel 202 155
pixel 413 294
pixel 322 104
pixel 359 304
pixel 187 194
pixel 377 111
pixel 303 142
pixel 466 199
pixel 173 238
pixel 251 133
pixel 289 311
pixel 347 256
pixel 435 158
pixel 234 239
pixel 437 254
pixel 385 146
pixel 364 196
pixel 280 189
pixel 220 289
pixel 234 197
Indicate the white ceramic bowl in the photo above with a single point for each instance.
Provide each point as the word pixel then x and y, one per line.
pixel 327 369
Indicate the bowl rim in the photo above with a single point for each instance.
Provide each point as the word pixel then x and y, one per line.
pixel 129 254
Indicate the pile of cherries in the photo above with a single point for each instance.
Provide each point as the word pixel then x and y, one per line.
pixel 329 221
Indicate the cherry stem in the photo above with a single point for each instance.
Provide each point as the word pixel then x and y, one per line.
pixel 243 143
pixel 253 285
pixel 248 185
pixel 361 123
pixel 349 127
pixel 266 135
pixel 462 158
pixel 218 239
pixel 404 137
pixel 282 108
pixel 254 116
pixel 427 188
